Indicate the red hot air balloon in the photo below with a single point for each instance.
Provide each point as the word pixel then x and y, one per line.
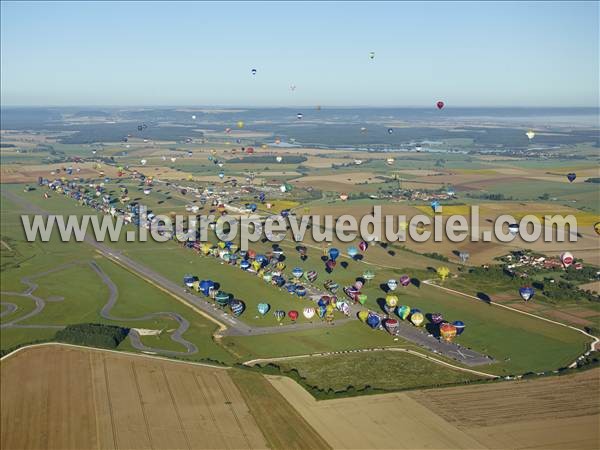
pixel 440 104
pixel 293 315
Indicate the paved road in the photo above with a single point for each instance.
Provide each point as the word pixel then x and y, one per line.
pixel 239 328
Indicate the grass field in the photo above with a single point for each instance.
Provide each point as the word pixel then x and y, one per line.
pixel 385 370
pixel 518 343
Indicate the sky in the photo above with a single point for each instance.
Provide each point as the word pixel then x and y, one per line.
pixel 138 53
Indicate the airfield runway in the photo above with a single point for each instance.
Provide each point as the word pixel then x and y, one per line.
pixel 239 328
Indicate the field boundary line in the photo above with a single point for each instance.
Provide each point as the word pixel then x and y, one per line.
pixel 116 352
pixel 393 349
pixel 595 339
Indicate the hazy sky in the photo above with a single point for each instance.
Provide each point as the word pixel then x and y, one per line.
pixel 468 54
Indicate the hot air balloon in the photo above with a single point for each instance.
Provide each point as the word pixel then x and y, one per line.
pixel 362 315
pixel 331 286
pixel 417 319
pixel 435 204
pixel 440 104
pixel 237 307
pixel 368 275
pixel 324 300
pixel 297 272
pixel 343 196
pixel 279 315
pixel 463 256
pixel 279 159
pixel 392 284
pixel 567 259
pixel 373 320
pixel 390 161
pixel 352 251
pixel 526 292
pixel 143 161
pixel 443 272
pixel 571 177
pixel 299 116
pixel 460 327
pixel 293 315
pixel 437 318
pixel 404 280
pixel 391 301
pixel 390 130
pixel 362 298
pixel 253 71
pixel 308 312
pixel 403 311
pixel 391 325
pixel 372 55
pixel 333 253
pixel 244 264
pixel 597 228
pixel 322 311
pixel 222 298
pixel 300 291
pixel 240 124
pixel 263 308
pixel 530 134
pixel 447 331
pixel 513 228
pixel 311 276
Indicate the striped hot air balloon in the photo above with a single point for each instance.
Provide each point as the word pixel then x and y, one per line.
pixel 392 284
pixel 279 315
pixel 222 298
pixel 311 276
pixel 404 280
pixel 309 312
pixel 237 307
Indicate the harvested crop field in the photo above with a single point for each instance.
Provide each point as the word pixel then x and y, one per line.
pixel 74 398
pixel 556 412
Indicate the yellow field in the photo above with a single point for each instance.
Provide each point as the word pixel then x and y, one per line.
pixel 73 398
pixel 558 412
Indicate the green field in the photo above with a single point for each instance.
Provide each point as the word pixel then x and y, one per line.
pixel 388 370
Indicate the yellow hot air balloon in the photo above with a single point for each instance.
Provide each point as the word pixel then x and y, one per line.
pixel 391 300
pixel 362 315
pixel 447 331
pixel 240 124
pixel 196 285
pixel 443 272
pixel 206 247
pixel 280 265
pixel 256 265
pixel 417 319
pixel 263 146
pixel 221 244
pixel 260 273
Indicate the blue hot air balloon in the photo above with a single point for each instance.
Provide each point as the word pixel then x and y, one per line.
pixel 297 272
pixel 261 196
pixel 526 292
pixel 206 286
pixel 571 177
pixel 300 291
pixel 263 308
pixel 352 251
pixel 291 288
pixel 460 326
pixel 333 253
pixel 435 205
pixel 252 207
pixel 279 280
pixel 237 307
pixel 373 320
pixel 244 264
pixel 322 311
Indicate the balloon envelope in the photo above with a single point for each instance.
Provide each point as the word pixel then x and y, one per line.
pixel 526 292
pixel 571 177
pixel 447 331
pixel 293 315
pixel 440 104
pixel 309 312
pixel 263 308
pixel 417 319
pixel 404 280
pixel 403 312
pixel 460 326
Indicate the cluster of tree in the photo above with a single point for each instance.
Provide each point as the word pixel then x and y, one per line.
pixel 587 273
pixel 324 393
pixel 435 255
pixel 92 335
pixel 564 290
pixel 593 180
pixel 266 159
pixel 488 196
